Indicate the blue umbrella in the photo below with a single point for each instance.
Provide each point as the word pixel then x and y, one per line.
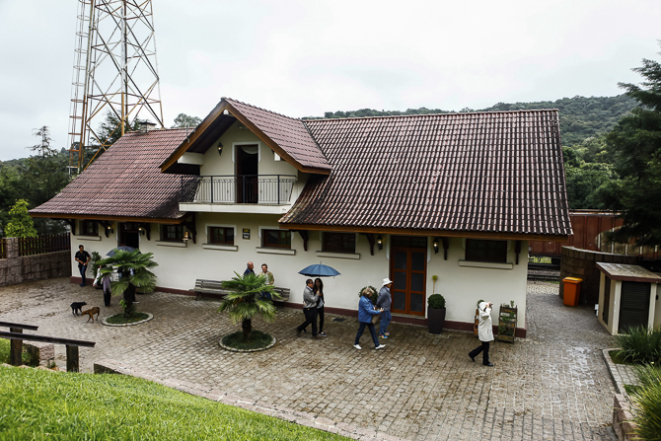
pixel 123 248
pixel 319 270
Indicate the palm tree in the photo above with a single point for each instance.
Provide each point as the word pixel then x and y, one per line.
pixel 245 301
pixel 134 270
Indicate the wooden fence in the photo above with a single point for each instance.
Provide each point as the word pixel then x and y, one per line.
pixel 29 246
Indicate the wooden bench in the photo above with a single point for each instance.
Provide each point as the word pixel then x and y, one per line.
pixel 203 286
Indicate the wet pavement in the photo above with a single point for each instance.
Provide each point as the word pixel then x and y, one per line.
pixel 553 385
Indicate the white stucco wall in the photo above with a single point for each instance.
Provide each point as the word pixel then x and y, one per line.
pixel 462 286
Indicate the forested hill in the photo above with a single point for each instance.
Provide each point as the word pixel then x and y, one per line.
pixel 580 117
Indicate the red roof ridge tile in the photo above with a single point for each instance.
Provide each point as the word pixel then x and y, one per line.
pixel 492 112
pixel 232 100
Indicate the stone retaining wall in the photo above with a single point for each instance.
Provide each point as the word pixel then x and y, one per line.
pixel 15 269
pixel 580 263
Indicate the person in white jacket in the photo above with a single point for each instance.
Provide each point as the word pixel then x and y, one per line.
pixel 484 333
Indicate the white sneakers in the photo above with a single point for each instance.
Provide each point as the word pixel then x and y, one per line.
pixel 378 347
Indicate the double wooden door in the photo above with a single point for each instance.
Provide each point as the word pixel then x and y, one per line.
pixel 408 269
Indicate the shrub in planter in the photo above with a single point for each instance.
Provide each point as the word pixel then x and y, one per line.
pixel 648 403
pixel 640 345
pixel 436 313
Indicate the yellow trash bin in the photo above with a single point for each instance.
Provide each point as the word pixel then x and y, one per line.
pixel 572 291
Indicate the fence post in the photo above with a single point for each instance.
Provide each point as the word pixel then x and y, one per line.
pixel 278 189
pixel 212 189
pixel 72 358
pixel 16 349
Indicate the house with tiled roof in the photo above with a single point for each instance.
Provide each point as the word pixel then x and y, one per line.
pixel 457 196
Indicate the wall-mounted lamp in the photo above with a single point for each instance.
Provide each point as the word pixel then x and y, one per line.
pixel 141 231
pixel 435 245
pixel 109 229
pixel 186 237
pixel 379 242
pixel 220 148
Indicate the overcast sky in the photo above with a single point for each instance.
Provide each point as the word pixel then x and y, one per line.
pixel 303 58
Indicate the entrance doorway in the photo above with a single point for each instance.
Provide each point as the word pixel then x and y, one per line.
pixel 246 173
pixel 129 235
pixel 408 271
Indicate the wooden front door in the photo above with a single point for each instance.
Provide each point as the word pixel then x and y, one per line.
pixel 408 271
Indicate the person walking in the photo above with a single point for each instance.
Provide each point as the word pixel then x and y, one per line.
pixel 270 280
pixel 383 302
pixel 83 258
pixel 484 333
pixel 319 290
pixel 365 312
pixel 249 269
pixel 310 300
pixel 107 291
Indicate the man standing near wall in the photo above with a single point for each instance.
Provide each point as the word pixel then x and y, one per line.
pixel 83 258
pixel 249 269
pixel 485 333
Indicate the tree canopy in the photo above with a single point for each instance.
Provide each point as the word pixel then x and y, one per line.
pixel 635 143
pixel 20 223
pixel 183 120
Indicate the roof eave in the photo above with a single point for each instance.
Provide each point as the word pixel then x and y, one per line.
pixel 427 232
pixel 109 218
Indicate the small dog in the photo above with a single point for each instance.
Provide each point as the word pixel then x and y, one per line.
pixel 91 313
pixel 76 307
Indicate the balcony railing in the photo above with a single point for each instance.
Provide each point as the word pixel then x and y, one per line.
pixel 240 189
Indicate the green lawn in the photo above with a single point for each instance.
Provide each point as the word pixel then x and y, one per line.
pixel 4 354
pixel 38 405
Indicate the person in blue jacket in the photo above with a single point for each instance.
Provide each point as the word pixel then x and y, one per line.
pixel 365 312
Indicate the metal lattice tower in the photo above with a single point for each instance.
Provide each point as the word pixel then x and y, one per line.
pixel 115 71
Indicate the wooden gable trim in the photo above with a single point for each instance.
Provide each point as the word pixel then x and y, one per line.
pixel 419 232
pixel 215 113
pixel 150 220
pixel 220 108
pixel 273 145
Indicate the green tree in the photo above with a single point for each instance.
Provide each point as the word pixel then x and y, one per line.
pixel 183 120
pixel 134 269
pixel 636 144
pixel 245 301
pixel 20 223
pixel 588 167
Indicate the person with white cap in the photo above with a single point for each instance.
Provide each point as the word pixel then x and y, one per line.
pixel 383 302
pixel 484 333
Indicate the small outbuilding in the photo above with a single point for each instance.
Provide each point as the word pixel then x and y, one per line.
pixel 628 297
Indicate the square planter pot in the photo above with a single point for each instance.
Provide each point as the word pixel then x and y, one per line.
pixel 436 320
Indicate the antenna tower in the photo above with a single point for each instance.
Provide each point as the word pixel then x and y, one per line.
pixel 115 71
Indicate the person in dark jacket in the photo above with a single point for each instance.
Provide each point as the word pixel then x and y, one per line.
pixel 383 302
pixel 310 300
pixel 250 269
pixel 365 312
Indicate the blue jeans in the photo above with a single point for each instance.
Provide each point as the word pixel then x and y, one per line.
pixel 386 316
pixel 83 270
pixel 361 329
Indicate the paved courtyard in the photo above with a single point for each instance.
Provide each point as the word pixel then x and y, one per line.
pixel 553 385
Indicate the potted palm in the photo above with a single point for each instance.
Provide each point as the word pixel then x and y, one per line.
pixel 436 313
pixel 134 269
pixel 245 300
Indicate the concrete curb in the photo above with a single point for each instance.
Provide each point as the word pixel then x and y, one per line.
pixel 122 325
pixel 108 366
pixel 230 349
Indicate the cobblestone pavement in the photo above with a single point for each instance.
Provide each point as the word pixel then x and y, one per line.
pixel 553 385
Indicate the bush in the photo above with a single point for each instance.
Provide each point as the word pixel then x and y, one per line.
pixel 436 301
pixel 640 345
pixel 648 403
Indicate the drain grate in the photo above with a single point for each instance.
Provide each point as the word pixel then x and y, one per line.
pixel 338 319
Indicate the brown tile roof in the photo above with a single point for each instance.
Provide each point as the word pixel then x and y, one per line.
pixel 126 181
pixel 290 134
pixel 494 172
